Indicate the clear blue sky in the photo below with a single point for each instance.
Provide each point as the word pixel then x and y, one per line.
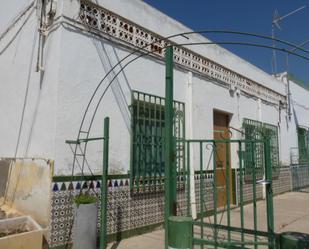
pixel 250 16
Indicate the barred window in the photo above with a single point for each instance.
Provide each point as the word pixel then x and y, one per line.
pixel 254 152
pixel 148 129
pixel 303 148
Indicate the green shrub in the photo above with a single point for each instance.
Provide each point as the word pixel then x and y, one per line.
pixel 85 198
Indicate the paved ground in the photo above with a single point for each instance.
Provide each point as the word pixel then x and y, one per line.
pixel 291 214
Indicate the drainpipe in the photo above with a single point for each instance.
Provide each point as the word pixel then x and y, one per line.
pixel 288 95
pixel 259 102
pixel 42 19
pixel 189 134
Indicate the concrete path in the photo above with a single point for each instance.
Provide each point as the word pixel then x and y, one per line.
pixel 291 214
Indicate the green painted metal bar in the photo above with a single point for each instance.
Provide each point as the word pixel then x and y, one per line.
pixel 223 140
pixel 170 180
pixel 254 190
pixel 162 141
pixel 228 188
pixel 293 240
pixel 144 158
pixel 90 139
pixel 72 142
pixel 188 179
pixel 269 194
pixel 235 229
pixel 67 178
pixel 226 244
pixel 75 178
pixel 104 186
pixel 215 195
pixel 83 140
pixel 149 160
pixel 242 44
pixel 182 235
pixel 241 190
pixel 148 166
pixel 201 192
pixel 132 145
pixel 139 146
pixel 155 162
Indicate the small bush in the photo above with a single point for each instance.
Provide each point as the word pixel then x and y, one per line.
pixel 85 198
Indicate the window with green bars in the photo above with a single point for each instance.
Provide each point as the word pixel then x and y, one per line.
pixel 303 141
pixel 147 145
pixel 254 152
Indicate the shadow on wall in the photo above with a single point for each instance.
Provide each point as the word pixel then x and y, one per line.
pixel 25 186
pixel 121 92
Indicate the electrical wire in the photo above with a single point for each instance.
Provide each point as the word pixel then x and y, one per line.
pixel 152 52
pixel 147 53
pixel 245 44
pixel 141 50
pixel 16 19
pixel 17 32
pixel 21 121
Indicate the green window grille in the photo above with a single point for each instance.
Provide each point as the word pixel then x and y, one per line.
pixel 303 141
pixel 271 131
pixel 147 145
pixel 254 152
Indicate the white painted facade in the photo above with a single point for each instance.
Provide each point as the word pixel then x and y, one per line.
pixel 76 58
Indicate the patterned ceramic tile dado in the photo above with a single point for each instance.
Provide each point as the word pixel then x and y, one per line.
pixel 62 210
pixel 127 210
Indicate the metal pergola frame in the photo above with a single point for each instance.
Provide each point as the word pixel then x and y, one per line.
pixel 170 172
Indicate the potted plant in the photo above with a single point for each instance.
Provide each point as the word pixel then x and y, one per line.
pixel 20 232
pixel 85 221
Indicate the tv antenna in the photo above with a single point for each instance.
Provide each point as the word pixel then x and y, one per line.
pixel 277 19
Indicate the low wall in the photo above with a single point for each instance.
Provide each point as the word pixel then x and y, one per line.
pixel 131 213
pixel 28 187
pixel 128 211
pixel 283 183
pixel 300 177
pixel 248 190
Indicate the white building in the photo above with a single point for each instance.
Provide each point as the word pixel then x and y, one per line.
pixel 51 66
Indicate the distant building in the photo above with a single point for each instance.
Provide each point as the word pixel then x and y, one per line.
pixel 48 77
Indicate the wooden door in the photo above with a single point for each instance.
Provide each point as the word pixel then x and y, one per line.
pixel 221 124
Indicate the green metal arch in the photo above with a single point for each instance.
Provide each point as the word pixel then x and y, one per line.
pixel 143 53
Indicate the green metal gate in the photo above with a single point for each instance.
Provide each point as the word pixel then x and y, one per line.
pixel 235 224
pixel 225 226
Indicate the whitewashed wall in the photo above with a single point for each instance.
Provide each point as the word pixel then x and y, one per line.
pixel 299 117
pixel 299 104
pixel 18 61
pixel 74 64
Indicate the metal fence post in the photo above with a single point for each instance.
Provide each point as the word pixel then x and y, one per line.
pixel 181 235
pixel 269 193
pixel 170 169
pixel 104 187
pixel 293 240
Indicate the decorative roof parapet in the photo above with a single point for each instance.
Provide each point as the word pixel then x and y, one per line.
pixel 105 21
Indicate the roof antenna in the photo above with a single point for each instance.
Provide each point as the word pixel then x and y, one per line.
pixel 276 23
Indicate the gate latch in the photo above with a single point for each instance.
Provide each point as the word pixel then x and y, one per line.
pixel 263 182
